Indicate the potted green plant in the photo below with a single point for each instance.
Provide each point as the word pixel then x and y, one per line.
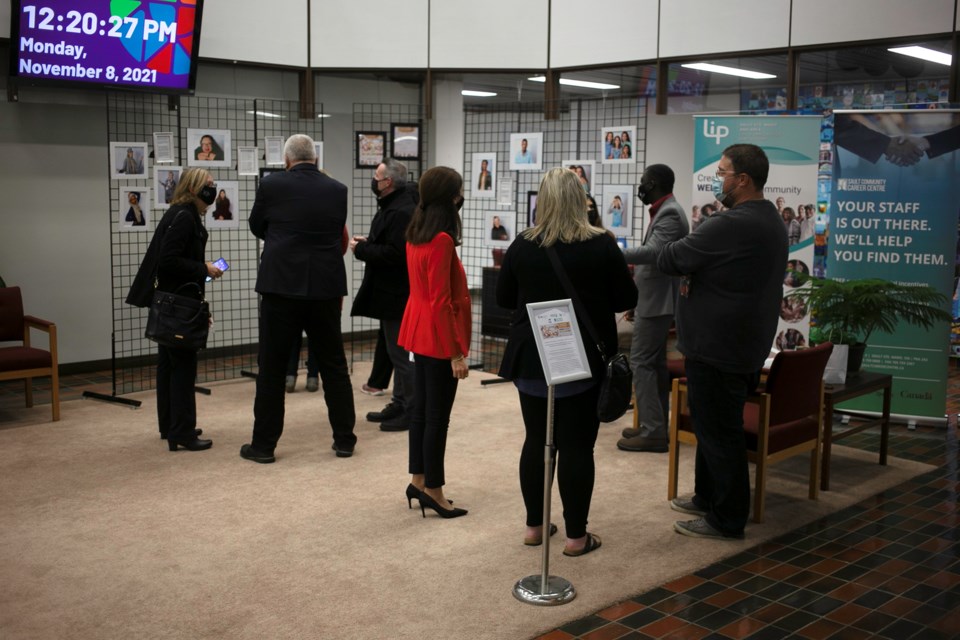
pixel 849 311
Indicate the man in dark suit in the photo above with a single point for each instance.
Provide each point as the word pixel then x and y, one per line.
pixel 300 214
pixel 654 313
pixel 386 286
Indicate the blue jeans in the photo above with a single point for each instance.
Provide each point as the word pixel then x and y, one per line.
pixel 722 482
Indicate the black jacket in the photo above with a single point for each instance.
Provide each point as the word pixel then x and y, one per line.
pixel 386 285
pixel 175 256
pixel 598 273
pixel 300 214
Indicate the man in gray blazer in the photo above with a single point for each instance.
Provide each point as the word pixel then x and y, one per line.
pixel 654 312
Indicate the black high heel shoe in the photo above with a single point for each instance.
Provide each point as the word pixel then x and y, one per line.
pixel 190 445
pixel 427 501
pixel 414 494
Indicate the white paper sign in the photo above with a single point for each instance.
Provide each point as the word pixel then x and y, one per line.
pixel 274 145
pixel 248 161
pixel 505 193
pixel 557 335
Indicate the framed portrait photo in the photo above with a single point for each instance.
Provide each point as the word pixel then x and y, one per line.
pixel 616 207
pixel 405 141
pixel 585 170
pixel 526 151
pixel 531 208
pixel 617 145
pixel 499 228
pixel 208 148
pixel 484 180
pixel 371 148
pixel 223 213
pixel 133 211
pixel 165 181
pixel 128 160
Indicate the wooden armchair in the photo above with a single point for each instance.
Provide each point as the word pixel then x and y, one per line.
pixel 782 421
pixel 23 360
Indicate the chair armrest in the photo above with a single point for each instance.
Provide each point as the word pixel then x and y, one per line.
pixel 37 323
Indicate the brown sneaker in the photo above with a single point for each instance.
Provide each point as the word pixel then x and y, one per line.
pixel 643 443
pixel 630 432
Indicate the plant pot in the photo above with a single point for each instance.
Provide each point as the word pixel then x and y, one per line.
pixel 855 357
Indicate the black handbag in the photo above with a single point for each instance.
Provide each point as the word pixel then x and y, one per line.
pixel 616 388
pixel 179 321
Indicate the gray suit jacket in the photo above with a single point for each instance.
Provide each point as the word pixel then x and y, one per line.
pixel 658 292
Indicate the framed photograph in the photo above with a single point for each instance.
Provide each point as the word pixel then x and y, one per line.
pixel 208 148
pixel 128 160
pixel 405 141
pixel 499 228
pixel 248 161
pixel 526 151
pixel 274 150
pixel 133 211
pixel 223 213
pixel 162 147
pixel 484 180
pixel 165 181
pixel 617 145
pixel 616 207
pixel 585 170
pixel 371 148
pixel 531 208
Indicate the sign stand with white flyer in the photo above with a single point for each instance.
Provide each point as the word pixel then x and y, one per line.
pixel 564 359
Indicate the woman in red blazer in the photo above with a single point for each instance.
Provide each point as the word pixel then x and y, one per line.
pixel 436 329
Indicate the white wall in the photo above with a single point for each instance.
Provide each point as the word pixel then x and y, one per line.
pixel 248 30
pixel 692 27
pixel 369 34
pixel 55 221
pixel 670 141
pixel 493 34
pixel 577 31
pixel 867 19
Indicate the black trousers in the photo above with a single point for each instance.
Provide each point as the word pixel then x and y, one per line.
pixel 722 483
pixel 382 365
pixel 176 401
pixel 434 390
pixel 575 427
pixel 281 321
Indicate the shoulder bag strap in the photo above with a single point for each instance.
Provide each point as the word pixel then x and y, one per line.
pixel 578 306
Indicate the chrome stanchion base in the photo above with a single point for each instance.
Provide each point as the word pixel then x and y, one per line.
pixel 559 591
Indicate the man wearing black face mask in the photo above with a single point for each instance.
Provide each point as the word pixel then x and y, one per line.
pixel 300 214
pixel 654 312
pixel 385 288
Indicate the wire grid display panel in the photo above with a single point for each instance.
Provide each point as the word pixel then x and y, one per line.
pixel 375 117
pixel 231 347
pixel 576 135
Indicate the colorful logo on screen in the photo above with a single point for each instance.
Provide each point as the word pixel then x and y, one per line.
pixel 164 52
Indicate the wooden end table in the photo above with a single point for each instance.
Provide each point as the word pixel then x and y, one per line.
pixel 856 385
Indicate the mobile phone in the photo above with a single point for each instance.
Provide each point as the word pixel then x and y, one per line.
pixel 220 264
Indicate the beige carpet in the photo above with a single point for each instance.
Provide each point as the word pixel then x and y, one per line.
pixel 105 534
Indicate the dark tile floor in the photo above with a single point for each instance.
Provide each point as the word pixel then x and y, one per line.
pixel 888 567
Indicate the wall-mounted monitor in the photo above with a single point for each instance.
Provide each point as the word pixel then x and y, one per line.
pixel 148 46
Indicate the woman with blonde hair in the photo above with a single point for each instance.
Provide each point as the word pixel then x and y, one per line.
pixel 436 330
pixel 176 258
pixel 595 267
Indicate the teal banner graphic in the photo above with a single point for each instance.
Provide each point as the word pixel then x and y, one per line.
pixel 793 148
pixel 893 214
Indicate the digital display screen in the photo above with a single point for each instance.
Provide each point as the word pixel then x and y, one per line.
pixel 151 46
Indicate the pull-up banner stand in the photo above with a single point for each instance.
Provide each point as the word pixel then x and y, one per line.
pixel 893 215
pixel 564 359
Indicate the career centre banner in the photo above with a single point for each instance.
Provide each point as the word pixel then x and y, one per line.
pixel 893 215
pixel 792 145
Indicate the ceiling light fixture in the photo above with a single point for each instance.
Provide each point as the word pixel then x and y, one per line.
pixel 730 71
pixel 924 54
pixel 265 114
pixel 586 84
pixel 477 94
pixel 323 115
